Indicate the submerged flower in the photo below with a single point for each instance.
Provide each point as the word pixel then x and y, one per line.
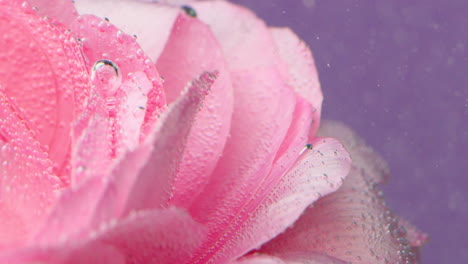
pixel 181 132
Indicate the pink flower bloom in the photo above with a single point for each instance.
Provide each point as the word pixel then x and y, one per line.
pixel 194 141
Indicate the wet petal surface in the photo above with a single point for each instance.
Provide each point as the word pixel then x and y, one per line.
pixel 47 62
pixel 191 50
pixel 27 181
pixel 353 224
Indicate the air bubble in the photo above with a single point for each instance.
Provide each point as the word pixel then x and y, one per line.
pixel 106 77
pixel 189 10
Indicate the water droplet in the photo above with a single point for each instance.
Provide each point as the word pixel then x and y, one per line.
pixel 189 10
pixel 106 77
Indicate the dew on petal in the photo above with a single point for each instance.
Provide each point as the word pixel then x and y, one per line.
pixel 106 77
pixel 189 10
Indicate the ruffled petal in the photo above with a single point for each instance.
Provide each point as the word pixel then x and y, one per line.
pixel 150 22
pixel 152 188
pixel 125 102
pixel 303 76
pixel 72 214
pixel 280 202
pixel 259 259
pixel 139 86
pixel 46 62
pixel 27 181
pixel 139 179
pixel 262 113
pixel 289 150
pixel 290 258
pixel 190 50
pixel 242 35
pixel 61 10
pixel 353 224
pixel 153 237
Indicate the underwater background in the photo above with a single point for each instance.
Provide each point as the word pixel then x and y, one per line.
pixel 397 72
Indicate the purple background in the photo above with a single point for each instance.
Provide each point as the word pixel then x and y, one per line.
pixel 396 71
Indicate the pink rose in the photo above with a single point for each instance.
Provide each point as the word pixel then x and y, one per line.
pixel 194 141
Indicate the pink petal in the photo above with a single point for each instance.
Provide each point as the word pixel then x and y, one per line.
pixel 352 224
pixel 263 109
pixel 62 10
pixel 93 138
pixel 27 181
pixel 152 188
pixel 123 107
pixel 287 154
pixel 190 50
pixel 150 22
pixel 309 258
pixel 281 201
pixel 259 259
pixel 262 113
pixel 38 78
pixel 167 236
pixel 97 200
pixel 242 35
pixel 150 237
pixel 376 167
pixel 82 209
pixel 72 214
pixel 137 181
pixel 303 77
pixel 290 258
pixel 140 82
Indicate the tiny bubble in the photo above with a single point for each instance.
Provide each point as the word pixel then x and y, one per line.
pixel 189 10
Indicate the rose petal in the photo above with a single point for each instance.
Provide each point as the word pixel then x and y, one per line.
pixel 102 40
pixel 44 78
pixel 262 114
pixel 309 258
pixel 166 236
pixel 190 50
pixel 259 259
pixel 99 199
pixel 352 224
pixel 95 140
pixel 365 158
pixel 71 214
pixel 303 77
pixel 290 258
pixel 242 35
pixel 281 201
pixel 124 188
pixel 27 181
pixel 153 237
pixel 152 188
pixel 62 10
pixel 263 109
pixel 150 22
pixel 94 201
pixel 140 167
pixel 120 112
pixel 108 201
